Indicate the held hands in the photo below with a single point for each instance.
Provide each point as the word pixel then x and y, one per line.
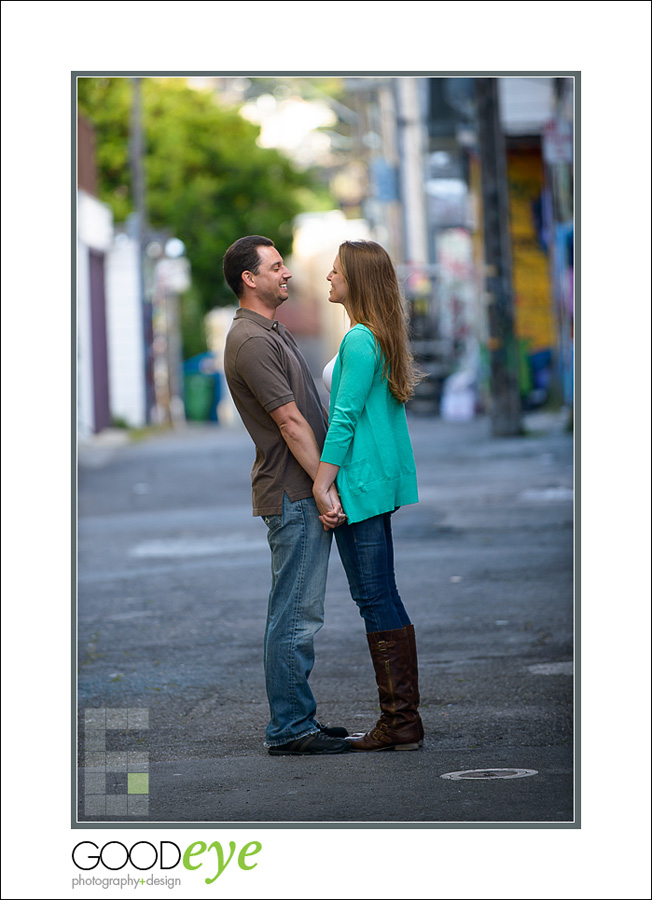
pixel 327 498
pixel 330 508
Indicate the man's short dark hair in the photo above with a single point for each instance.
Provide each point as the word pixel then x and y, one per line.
pixel 242 256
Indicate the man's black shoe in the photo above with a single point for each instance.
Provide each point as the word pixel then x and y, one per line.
pixel 332 730
pixel 311 744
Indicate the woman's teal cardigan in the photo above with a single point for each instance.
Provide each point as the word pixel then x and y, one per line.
pixel 367 433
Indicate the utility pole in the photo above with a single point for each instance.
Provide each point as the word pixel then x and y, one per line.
pixel 505 397
pixel 138 195
pixel 410 148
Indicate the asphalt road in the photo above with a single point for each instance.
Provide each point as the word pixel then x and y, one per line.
pixel 173 574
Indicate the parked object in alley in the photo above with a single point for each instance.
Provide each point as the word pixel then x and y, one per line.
pixel 202 388
pixel 458 400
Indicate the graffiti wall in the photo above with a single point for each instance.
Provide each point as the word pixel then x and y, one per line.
pixel 533 307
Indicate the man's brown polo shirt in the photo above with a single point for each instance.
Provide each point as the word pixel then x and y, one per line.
pixel 264 370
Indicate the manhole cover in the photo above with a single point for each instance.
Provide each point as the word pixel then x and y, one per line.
pixel 489 773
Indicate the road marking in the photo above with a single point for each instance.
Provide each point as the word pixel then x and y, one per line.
pixel 547 494
pixel 485 774
pixel 557 668
pixel 218 546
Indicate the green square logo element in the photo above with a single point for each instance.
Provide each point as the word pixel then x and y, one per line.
pixel 137 783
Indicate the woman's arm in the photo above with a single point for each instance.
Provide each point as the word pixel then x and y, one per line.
pixel 321 488
pixel 357 369
pixel 358 360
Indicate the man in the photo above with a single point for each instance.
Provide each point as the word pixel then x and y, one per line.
pixel 278 402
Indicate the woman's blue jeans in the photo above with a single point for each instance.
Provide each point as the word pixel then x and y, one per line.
pixel 367 552
pixel 300 550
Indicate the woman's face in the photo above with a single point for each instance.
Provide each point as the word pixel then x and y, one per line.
pixel 339 290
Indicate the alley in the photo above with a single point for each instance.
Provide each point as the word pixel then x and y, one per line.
pixel 172 584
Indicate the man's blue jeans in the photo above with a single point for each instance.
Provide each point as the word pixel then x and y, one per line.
pixel 367 552
pixel 300 549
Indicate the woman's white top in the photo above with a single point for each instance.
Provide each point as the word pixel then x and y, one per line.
pixel 327 374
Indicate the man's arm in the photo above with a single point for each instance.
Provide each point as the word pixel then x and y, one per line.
pixel 298 435
pixel 259 365
pixel 300 438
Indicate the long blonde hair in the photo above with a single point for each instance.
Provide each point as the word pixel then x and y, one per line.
pixel 374 300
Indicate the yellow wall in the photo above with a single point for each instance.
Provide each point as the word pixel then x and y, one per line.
pixel 530 273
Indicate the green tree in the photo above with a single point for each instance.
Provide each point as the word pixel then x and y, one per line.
pixel 207 180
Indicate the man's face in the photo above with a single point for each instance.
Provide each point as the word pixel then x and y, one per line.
pixel 272 279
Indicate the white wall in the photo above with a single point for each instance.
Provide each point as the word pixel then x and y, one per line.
pixel 125 333
pixel 85 415
pixel 94 232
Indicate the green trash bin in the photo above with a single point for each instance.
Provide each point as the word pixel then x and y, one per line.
pixel 198 391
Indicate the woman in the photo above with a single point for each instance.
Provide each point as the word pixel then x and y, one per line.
pixel 368 454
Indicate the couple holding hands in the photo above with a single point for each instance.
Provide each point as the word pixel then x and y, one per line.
pixel 314 477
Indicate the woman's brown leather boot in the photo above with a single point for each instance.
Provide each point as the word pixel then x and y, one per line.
pixel 399 726
pixel 413 647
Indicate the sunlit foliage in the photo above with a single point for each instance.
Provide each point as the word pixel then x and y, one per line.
pixel 207 181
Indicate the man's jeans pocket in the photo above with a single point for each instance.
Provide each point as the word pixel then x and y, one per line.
pixel 273 524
